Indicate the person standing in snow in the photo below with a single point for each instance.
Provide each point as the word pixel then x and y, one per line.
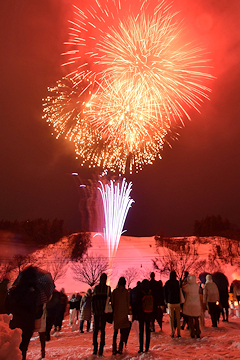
pixel 61 311
pixel 78 302
pixel 120 303
pixel 145 314
pixel 135 301
pixel 85 310
pixel 99 298
pixel 172 298
pixel 210 298
pixel 158 301
pixel 22 302
pixel 72 309
pixel 192 305
pixel 52 311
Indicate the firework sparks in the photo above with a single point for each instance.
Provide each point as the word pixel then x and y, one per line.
pixel 132 77
pixel 142 46
pixel 63 108
pixel 116 204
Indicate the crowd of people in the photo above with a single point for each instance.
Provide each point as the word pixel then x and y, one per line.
pixel 143 305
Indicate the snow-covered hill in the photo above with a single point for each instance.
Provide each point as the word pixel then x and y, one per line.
pixel 134 252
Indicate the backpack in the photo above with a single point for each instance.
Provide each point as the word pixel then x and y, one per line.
pixel 147 303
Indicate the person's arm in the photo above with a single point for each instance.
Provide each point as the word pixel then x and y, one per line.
pixel 205 295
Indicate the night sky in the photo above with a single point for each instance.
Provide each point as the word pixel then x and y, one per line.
pixel 198 176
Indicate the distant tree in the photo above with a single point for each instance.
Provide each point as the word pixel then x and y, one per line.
pixel 54 259
pixel 20 261
pixel 80 242
pixel 39 232
pixel 131 274
pixel 89 269
pixel 57 266
pixel 216 226
pixel 177 254
pixel 5 270
pixel 225 251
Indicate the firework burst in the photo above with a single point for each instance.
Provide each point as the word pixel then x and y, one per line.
pixel 132 78
pixel 63 108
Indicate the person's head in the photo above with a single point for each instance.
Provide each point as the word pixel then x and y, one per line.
pixel 27 277
pixel 89 292
pixel 103 278
pixel 145 285
pixel 152 276
pixel 122 281
pixel 208 278
pixel 62 291
pixel 173 275
pixel 192 279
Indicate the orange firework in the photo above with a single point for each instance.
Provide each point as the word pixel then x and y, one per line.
pixel 145 79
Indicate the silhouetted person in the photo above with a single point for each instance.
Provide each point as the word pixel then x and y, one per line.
pixel 99 297
pixel 52 311
pixel 86 310
pixel 172 297
pixel 63 301
pixel 135 301
pixel 22 302
pixel 145 314
pixel 158 301
pixel 78 301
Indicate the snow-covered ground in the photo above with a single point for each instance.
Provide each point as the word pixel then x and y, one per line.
pixel 215 344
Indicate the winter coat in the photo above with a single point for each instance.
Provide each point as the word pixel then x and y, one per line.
pixel 40 324
pixel 120 303
pixel 172 290
pixel 73 302
pixel 192 304
pixel 21 301
pixel 157 292
pixel 53 304
pixel 78 301
pixel 99 298
pixel 136 301
pixel 85 307
pixel 236 289
pixel 210 292
pixel 63 301
pixel 223 294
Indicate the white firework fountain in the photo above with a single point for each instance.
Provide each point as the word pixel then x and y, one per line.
pixel 116 204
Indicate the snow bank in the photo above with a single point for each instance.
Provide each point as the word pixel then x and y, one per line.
pixel 9 340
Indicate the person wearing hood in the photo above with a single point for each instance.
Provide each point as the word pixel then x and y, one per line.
pixel 192 305
pixel 210 298
pixel 120 304
pixel 172 298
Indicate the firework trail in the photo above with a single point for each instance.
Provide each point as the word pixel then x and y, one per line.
pixel 116 203
pixel 134 76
